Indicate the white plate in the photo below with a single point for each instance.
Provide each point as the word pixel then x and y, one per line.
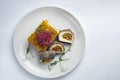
pixel 59 18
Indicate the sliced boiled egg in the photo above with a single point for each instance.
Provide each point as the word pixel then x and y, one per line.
pixel 66 35
pixel 57 47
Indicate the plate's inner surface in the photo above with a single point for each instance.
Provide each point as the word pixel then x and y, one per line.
pixel 60 19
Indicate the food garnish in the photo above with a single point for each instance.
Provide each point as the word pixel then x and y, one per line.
pixel 50 43
pixel 28 52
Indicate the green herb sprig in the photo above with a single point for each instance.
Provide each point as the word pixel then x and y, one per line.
pixel 28 52
pixel 55 62
pixel 59 61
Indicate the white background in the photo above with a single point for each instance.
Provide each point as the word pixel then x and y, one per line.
pixel 100 20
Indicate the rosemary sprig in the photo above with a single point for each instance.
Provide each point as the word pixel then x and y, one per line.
pixel 60 59
pixel 54 63
pixel 28 48
pixel 28 51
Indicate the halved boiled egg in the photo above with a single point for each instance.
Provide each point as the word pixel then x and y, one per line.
pixel 66 35
pixel 57 47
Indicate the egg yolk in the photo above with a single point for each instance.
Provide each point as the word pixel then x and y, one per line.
pixel 67 36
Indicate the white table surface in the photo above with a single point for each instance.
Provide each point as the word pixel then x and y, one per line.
pixel 100 20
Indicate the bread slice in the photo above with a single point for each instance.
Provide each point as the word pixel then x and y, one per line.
pixel 44 26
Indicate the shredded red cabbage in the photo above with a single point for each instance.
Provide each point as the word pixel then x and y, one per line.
pixel 44 38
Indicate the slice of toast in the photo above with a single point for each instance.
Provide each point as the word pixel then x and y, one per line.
pixel 44 26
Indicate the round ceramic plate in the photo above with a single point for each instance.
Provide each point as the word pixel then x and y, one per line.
pixel 60 19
